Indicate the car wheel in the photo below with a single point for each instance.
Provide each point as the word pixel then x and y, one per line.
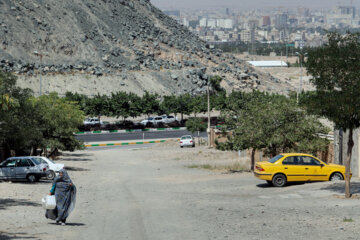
pixel 336 176
pixel 31 178
pixel 279 180
pixel 269 182
pixel 193 145
pixel 50 175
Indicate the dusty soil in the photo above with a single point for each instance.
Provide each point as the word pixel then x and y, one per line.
pixel 149 193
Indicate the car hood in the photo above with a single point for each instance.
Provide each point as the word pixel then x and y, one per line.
pixel 335 165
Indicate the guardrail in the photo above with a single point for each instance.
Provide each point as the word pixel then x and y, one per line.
pixel 132 130
pixel 123 144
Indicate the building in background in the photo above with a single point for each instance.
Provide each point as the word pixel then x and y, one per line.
pixel 266 21
pixel 281 20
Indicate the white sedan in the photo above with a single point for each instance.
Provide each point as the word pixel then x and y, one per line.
pixel 54 168
pixel 187 140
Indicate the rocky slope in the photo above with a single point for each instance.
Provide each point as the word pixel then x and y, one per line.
pixel 100 46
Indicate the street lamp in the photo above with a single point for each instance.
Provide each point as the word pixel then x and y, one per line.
pixel 301 55
pixel 41 54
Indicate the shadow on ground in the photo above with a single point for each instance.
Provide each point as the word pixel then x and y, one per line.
pixel 69 224
pixel 339 187
pixel 76 169
pixel 8 236
pixel 290 184
pixel 8 202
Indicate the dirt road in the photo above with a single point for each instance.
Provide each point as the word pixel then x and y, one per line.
pixel 150 194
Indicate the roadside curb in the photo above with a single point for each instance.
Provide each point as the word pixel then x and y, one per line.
pixel 132 130
pixel 123 143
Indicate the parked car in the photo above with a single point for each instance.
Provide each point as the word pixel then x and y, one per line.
pixel 22 168
pixel 187 140
pixel 54 168
pixel 160 119
pixel 92 121
pixel 147 121
pixel 171 119
pixel 297 167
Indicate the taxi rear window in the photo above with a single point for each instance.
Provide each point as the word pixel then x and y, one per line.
pixel 274 159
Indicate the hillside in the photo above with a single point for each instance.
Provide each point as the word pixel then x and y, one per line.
pixel 100 46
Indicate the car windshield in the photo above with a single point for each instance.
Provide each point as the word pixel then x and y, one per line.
pixel 50 161
pixel 274 159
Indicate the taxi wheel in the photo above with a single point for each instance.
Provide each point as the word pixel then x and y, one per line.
pixel 279 180
pixel 336 176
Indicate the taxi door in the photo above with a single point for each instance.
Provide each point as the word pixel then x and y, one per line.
pixel 292 169
pixel 314 170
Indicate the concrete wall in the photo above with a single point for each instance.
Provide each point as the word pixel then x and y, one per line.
pixel 342 140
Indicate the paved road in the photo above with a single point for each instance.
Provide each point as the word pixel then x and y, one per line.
pixel 135 136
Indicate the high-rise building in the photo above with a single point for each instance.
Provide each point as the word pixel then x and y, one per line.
pixel 203 22
pixel 266 21
pixel 347 10
pixel 227 11
pixel 211 23
pixel 281 20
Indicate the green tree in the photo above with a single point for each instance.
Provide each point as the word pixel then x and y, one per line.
pixel 272 123
pixel 170 105
pixel 135 108
pixel 58 120
pixel 150 103
pixel 335 68
pixel 196 125
pixel 98 106
pixel 119 105
pixel 198 104
pixel 80 99
pixel 184 101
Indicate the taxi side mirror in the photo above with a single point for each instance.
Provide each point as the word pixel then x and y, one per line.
pixel 322 165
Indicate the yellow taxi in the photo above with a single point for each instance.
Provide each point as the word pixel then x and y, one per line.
pixel 297 167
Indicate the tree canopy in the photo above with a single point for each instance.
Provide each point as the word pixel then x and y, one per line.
pixel 335 68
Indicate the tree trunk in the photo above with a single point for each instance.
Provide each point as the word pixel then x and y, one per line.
pixel 253 159
pixel 198 137
pixel 347 164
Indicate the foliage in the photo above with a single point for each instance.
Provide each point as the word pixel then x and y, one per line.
pixel 270 122
pixel 195 125
pixel 150 103
pixel 30 123
pixel 335 68
pixel 99 105
pixel 58 120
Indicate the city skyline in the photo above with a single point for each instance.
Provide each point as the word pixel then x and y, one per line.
pixel 246 5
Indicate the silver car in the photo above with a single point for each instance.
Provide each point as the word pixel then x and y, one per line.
pixel 22 168
pixel 187 140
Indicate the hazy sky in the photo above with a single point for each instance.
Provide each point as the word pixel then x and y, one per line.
pixel 246 4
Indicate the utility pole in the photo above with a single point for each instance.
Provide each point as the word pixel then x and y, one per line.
pixel 36 53
pixel 208 113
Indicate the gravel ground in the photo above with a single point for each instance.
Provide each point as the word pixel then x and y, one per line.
pixel 149 193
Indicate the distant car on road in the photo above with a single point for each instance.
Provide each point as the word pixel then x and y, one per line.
pixel 22 168
pixel 297 167
pixel 54 168
pixel 92 121
pixel 147 121
pixel 187 140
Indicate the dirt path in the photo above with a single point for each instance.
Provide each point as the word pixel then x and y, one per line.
pixel 149 194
